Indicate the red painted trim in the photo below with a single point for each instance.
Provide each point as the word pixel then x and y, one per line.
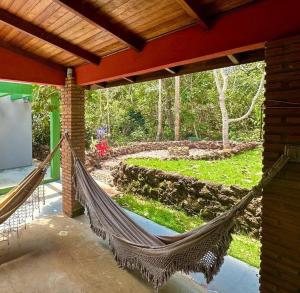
pixel 247 28
pixel 15 67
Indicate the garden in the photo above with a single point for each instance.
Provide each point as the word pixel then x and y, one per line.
pixel 180 151
pixel 242 170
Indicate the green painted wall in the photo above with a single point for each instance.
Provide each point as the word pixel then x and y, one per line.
pixel 16 90
pixel 55 137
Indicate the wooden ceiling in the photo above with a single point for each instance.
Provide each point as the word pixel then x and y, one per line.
pixel 70 33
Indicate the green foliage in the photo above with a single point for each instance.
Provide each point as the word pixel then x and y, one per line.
pixel 130 112
pixel 245 249
pixel 159 213
pixel 242 247
pixel 243 170
pixel 41 108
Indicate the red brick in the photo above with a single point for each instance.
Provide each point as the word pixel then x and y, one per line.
pixel 73 122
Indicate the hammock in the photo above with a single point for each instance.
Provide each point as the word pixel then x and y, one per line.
pixel 158 257
pixel 16 197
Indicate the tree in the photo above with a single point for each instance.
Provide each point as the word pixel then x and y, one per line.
pixel 177 108
pixel 159 112
pixel 221 88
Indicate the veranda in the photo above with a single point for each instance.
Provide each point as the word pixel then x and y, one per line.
pixel 77 45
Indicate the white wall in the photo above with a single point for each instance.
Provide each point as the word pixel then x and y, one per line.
pixel 15 133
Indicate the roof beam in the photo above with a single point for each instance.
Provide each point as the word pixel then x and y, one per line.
pixel 173 70
pixel 170 70
pixel 273 20
pixel 25 53
pixel 97 86
pixel 50 38
pixel 22 68
pixel 92 15
pixel 253 56
pixel 233 59
pixel 193 9
pixel 129 79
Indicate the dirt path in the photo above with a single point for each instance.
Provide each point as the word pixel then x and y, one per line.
pixel 104 174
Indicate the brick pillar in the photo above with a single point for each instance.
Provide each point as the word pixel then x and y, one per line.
pixel 73 122
pixel 280 266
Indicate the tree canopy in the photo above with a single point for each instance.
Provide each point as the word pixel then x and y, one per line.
pixel 130 112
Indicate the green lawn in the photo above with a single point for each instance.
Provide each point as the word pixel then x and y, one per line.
pixel 242 247
pixel 244 170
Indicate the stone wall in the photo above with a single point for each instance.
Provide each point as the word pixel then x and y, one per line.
pixel 93 160
pixel 191 195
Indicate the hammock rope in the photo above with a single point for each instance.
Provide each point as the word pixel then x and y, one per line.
pixel 158 257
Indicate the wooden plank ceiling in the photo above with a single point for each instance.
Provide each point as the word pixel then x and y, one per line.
pixel 71 33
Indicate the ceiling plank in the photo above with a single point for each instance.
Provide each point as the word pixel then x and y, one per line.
pixel 194 9
pixel 95 17
pixel 50 38
pixel 233 59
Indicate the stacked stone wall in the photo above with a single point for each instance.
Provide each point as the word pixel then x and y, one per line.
pixel 191 195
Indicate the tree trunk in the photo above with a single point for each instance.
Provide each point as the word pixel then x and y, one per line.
pixel 168 113
pixel 108 112
pixel 195 130
pixel 221 87
pixel 159 112
pixel 177 108
pixel 225 123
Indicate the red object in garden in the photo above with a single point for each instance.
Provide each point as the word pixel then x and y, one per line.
pixel 102 147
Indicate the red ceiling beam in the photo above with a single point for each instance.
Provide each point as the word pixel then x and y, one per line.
pixel 50 38
pixel 31 55
pixel 233 33
pixel 17 67
pixel 92 15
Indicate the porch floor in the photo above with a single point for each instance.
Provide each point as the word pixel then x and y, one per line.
pixel 11 177
pixel 60 254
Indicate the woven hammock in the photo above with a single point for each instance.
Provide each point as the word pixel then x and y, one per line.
pixel 16 197
pixel 158 257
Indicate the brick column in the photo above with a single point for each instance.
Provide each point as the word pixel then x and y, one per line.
pixel 280 259
pixel 73 122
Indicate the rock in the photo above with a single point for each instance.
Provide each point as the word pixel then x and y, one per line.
pixel 178 151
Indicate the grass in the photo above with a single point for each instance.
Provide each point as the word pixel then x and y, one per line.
pixel 243 170
pixel 242 247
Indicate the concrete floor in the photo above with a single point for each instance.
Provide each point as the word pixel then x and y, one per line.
pixel 59 254
pixel 11 177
